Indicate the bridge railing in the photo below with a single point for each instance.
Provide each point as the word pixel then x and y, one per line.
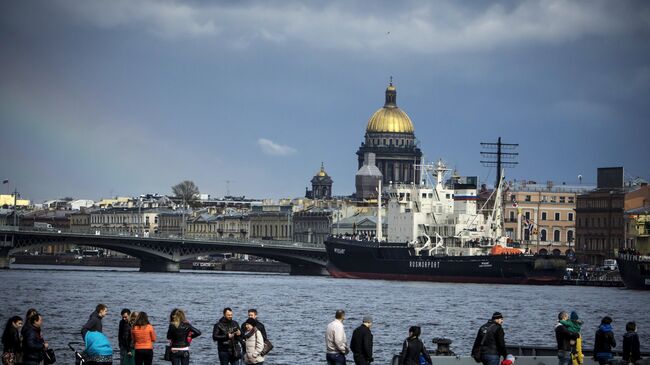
pixel 195 237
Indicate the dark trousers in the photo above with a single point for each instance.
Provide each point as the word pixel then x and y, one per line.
pixel 180 357
pixel 487 359
pixel 359 359
pixel 225 358
pixel 335 359
pixel 143 357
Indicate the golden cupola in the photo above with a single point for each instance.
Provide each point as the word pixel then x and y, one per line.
pixel 390 118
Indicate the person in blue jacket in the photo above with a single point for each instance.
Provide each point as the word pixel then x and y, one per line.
pixel 98 349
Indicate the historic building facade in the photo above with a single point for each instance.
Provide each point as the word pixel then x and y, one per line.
pixel 321 185
pixel 390 136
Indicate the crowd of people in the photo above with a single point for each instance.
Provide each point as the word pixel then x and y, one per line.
pixel 23 341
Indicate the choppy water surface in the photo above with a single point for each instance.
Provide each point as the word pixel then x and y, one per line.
pixel 296 310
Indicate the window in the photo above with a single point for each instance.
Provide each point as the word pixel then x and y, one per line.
pixel 570 216
pixel 527 215
pixel 512 216
pixel 543 216
pixel 562 199
pixel 557 216
pixel 569 236
pixel 556 235
pixel 527 198
pixel 542 235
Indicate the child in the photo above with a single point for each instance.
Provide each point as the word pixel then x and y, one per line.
pixel 631 345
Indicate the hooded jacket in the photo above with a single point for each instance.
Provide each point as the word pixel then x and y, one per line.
pixel 220 333
pixel 604 341
pixel 631 347
pixel 94 324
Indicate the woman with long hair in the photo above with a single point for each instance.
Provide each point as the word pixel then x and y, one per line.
pixel 11 341
pixel 180 334
pixel 143 336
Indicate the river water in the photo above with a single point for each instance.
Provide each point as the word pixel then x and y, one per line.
pixel 296 309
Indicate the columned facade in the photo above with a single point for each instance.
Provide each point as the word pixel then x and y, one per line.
pixel 389 135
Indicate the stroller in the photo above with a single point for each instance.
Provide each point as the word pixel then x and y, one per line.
pixel 79 358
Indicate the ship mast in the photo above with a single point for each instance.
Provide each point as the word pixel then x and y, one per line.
pixel 379 233
pixel 496 218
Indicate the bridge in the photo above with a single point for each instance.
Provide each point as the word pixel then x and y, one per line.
pixel 164 254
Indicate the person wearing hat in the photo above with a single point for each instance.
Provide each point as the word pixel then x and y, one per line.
pixel 574 325
pixel 361 343
pixel 490 345
pixel 254 342
pixel 565 339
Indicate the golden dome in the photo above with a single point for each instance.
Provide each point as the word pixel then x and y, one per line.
pixel 322 172
pixel 390 118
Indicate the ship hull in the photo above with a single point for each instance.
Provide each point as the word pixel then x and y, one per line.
pixel 370 260
pixel 634 272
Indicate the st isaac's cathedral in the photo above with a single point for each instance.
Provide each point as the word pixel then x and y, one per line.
pixel 389 135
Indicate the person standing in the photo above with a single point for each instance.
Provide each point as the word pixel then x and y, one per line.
pixel 361 343
pixel 144 336
pixel 33 344
pixel 254 341
pixel 490 343
pixel 227 335
pixel 180 333
pixel 574 325
pixel 11 341
pixel 124 338
pixel 604 341
pixel 564 339
pixel 413 348
pixel 252 313
pixel 94 322
pixel 631 344
pixel 335 340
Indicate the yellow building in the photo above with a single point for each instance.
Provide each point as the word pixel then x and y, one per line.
pixel 637 229
pixel 8 200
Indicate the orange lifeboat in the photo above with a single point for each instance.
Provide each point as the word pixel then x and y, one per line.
pixel 500 250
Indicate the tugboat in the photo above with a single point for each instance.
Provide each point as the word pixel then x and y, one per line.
pixel 435 233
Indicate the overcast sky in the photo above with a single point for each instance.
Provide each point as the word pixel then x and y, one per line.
pixel 105 98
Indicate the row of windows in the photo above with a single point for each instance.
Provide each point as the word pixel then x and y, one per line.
pixel 600 222
pixel 271 230
pixel 120 219
pixel 562 199
pixel 598 243
pixel 389 142
pixel 603 203
pixel 557 216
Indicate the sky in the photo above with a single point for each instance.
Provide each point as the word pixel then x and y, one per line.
pixel 108 98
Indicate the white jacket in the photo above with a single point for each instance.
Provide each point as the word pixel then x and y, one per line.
pixel 254 346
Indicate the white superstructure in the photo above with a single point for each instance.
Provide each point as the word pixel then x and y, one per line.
pixel 439 218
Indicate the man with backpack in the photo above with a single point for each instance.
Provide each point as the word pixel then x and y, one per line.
pixel 490 345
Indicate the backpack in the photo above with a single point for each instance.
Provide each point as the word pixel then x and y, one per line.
pixel 476 351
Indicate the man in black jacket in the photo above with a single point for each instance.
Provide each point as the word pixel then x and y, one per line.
pixel 124 334
pixel 490 341
pixel 564 337
pixel 227 334
pixel 631 344
pixel 252 313
pixel 95 320
pixel 361 343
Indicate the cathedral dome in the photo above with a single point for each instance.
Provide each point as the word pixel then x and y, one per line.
pixel 390 118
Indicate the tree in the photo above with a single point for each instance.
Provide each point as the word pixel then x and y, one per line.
pixel 186 191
